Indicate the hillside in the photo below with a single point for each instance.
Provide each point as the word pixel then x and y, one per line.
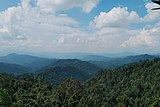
pixel 13 68
pixel 56 75
pixel 32 62
pixel 133 85
pixel 86 67
pixel 116 62
pixel 62 69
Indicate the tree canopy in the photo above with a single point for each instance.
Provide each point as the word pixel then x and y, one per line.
pixel 132 85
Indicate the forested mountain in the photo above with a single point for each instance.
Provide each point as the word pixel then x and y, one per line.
pixel 116 62
pixel 56 75
pixel 13 68
pixel 54 71
pixel 86 67
pixel 132 85
pixel 62 69
pixel 32 62
pixel 89 63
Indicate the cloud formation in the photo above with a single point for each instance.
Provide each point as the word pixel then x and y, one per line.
pixel 54 5
pixel 40 28
pixel 147 37
pixel 151 15
pixel 117 17
pixel 27 24
pixel 119 24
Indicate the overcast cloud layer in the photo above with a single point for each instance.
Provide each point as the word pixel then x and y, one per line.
pixel 39 28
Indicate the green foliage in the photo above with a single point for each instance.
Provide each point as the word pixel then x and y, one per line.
pixel 133 85
pixel 13 68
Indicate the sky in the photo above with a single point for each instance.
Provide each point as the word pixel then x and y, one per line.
pixel 89 26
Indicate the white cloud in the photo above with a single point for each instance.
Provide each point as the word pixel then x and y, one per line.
pixel 121 17
pixel 4 29
pixel 117 17
pixel 26 25
pixel 27 28
pixel 61 40
pixel 151 15
pixel 146 38
pixel 116 29
pixel 53 5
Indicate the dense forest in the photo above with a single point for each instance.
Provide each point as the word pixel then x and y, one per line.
pixel 132 85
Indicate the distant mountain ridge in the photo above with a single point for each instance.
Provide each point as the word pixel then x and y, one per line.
pixel 96 58
pixel 32 62
pixel 67 68
pixel 13 68
pixel 81 65
pixel 116 62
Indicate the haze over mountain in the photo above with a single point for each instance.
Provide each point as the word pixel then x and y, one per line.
pixel 32 62
pixel 90 64
pixel 115 62
pixel 96 58
pixel 13 69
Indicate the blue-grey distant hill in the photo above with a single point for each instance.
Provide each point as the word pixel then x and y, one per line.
pixel 59 69
pixel 13 68
pixel 96 58
pixel 32 62
pixel 84 66
pixel 116 62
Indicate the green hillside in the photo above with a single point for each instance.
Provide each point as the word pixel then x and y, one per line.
pixel 56 75
pixel 84 66
pixel 133 85
pixel 13 68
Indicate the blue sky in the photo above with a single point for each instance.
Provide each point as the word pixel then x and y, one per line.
pixel 95 26
pixel 4 4
pixel 106 5
pixel 83 18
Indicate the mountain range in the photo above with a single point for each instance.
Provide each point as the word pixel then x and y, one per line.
pixel 131 85
pixel 56 70
pixel 32 62
pixel 116 62
pixel 13 68
pixel 67 68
